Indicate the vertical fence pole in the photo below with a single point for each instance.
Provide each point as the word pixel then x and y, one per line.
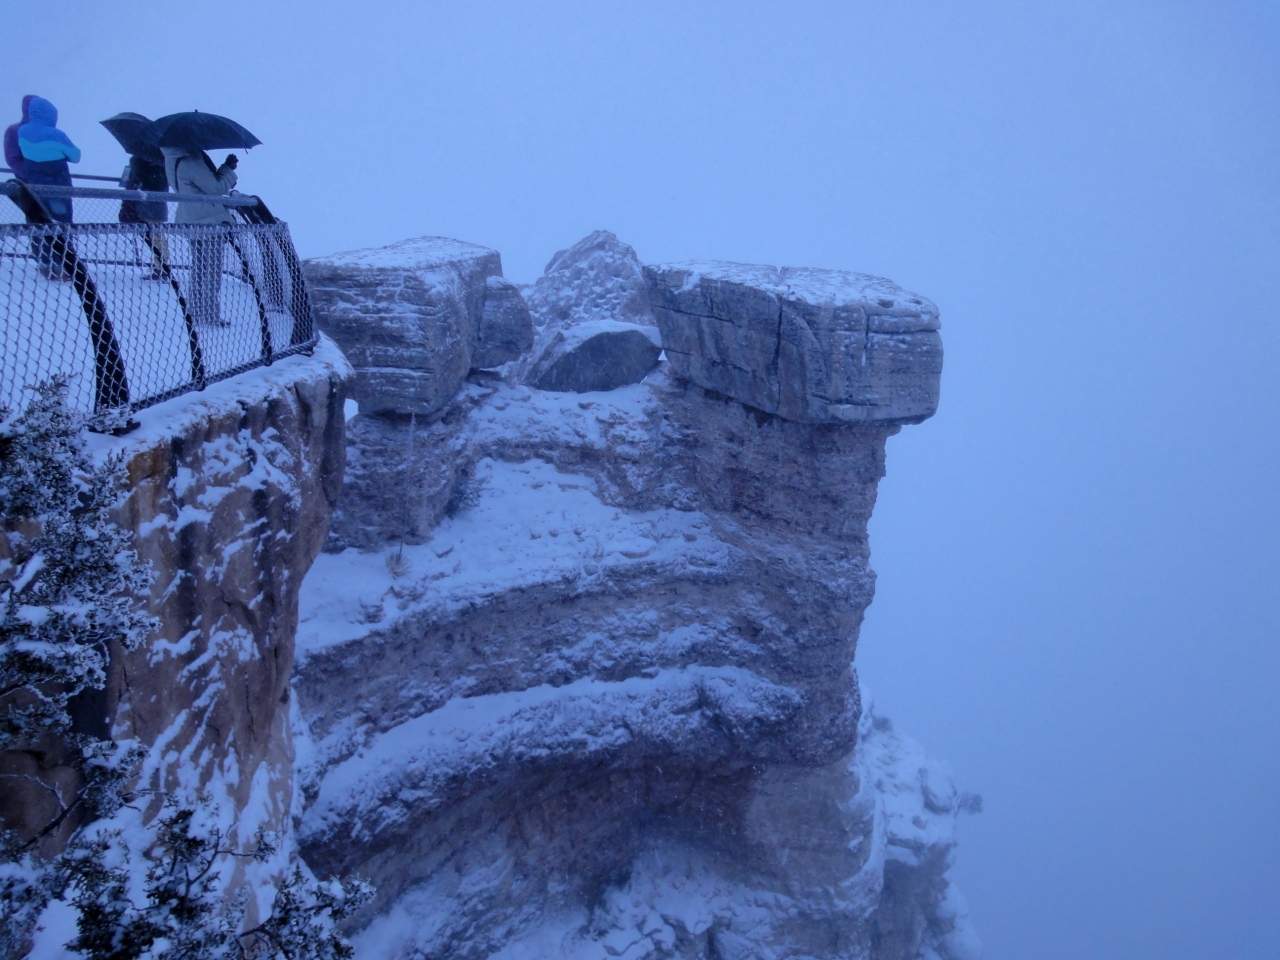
pixel 263 321
pixel 300 309
pixel 111 384
pixel 198 376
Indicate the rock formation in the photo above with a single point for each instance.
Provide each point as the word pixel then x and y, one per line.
pixel 506 329
pixel 230 494
pixel 576 677
pixel 813 346
pixel 598 278
pixel 595 355
pixel 227 500
pixel 595 328
pixel 413 318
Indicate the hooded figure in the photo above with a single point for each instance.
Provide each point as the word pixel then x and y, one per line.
pixel 143 173
pixel 12 152
pixel 47 151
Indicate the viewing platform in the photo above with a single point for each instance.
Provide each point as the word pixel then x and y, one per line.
pixel 132 314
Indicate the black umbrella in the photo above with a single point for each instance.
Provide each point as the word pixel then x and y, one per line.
pixel 203 131
pixel 136 134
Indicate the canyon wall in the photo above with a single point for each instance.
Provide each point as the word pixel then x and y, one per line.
pixel 575 676
pixel 228 493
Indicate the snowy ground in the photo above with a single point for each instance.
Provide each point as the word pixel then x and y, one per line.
pixel 43 330
pixel 529 524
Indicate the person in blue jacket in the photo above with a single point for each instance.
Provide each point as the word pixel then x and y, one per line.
pixel 13 157
pixel 46 151
pixel 12 153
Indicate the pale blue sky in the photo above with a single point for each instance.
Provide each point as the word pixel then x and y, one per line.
pixel 1079 557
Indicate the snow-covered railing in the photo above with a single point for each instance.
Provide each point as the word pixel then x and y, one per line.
pixel 135 313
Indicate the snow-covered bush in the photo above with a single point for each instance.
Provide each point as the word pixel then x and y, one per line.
pixel 69 579
pixel 70 589
pixel 182 913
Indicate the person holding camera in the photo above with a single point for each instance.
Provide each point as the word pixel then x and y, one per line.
pixel 193 172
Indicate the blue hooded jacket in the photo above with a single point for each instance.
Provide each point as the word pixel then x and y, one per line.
pixel 12 152
pixel 45 148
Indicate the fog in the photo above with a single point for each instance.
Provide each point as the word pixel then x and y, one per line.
pixel 1079 556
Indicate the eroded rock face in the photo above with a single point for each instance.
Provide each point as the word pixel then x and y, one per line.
pixel 506 329
pixel 585 688
pixel 230 494
pixel 595 328
pixel 414 317
pixel 629 638
pixel 598 278
pixel 814 346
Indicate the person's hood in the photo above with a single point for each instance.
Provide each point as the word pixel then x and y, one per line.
pixel 26 107
pixel 39 110
pixel 171 157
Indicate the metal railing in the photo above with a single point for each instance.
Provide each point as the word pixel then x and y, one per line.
pixel 135 313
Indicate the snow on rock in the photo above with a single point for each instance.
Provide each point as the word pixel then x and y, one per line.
pixel 595 328
pixel 814 346
pixel 595 355
pixel 412 318
pixel 528 524
pixel 575 674
pixel 598 278
pixel 920 911
pixel 230 490
pixel 374 796
pixel 680 900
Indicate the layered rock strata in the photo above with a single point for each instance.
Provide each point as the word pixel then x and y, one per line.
pixel 591 692
pixel 813 346
pixel 413 318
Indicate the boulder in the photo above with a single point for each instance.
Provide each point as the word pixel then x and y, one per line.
pixel 598 278
pixel 407 316
pixel 506 328
pixel 594 355
pixel 595 328
pixel 809 345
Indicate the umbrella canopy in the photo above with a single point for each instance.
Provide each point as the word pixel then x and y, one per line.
pixel 203 131
pixel 136 134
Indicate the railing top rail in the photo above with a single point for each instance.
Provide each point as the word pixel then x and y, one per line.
pixel 12 188
pixel 75 176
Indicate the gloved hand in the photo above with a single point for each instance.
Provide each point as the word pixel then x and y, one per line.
pixel 231 162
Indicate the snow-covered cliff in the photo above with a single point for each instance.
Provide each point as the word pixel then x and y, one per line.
pixel 230 491
pixel 576 676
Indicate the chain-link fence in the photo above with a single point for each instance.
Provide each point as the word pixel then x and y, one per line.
pixel 135 313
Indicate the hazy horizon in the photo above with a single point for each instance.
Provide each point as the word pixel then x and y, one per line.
pixel 1078 602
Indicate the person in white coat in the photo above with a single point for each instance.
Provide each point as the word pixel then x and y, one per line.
pixel 192 171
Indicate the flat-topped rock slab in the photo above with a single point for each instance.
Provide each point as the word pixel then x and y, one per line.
pixel 412 318
pixel 806 344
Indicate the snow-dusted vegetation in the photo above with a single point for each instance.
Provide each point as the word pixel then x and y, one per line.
pixel 84 870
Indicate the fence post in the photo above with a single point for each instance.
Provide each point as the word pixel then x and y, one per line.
pixel 303 324
pixel 198 376
pixel 264 323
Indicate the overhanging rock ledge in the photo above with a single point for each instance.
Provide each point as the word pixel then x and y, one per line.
pixel 810 345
